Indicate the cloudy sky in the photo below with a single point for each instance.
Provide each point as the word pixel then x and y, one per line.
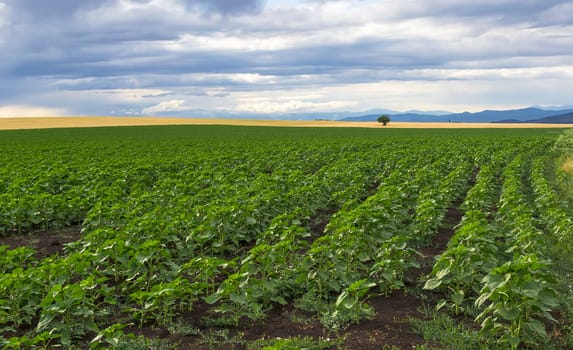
pixel 263 58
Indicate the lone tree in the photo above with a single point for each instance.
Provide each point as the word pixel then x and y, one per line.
pixel 384 119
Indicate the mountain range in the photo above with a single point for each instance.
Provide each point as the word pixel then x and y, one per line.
pixel 566 118
pixel 524 115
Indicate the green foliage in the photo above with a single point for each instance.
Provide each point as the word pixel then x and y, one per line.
pixel 470 255
pixel 71 310
pixel 293 343
pixel 44 340
pixel 163 299
pixel 10 259
pixel 450 333
pixel 564 143
pixel 518 297
pixel 114 338
pixel 383 119
pixel 231 222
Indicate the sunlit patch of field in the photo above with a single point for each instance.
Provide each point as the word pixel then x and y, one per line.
pixel 567 166
pixel 72 122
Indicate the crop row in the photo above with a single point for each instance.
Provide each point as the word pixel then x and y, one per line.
pixel 496 266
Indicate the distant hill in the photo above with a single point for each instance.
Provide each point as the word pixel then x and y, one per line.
pixel 517 114
pixel 566 118
pixel 487 116
pixel 362 118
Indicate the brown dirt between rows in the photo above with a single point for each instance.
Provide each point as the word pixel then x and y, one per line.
pixel 46 243
pixel 440 241
pixel 388 327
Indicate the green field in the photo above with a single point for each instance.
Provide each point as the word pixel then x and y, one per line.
pixel 228 237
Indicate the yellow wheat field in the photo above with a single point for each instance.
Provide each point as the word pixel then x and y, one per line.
pixel 75 122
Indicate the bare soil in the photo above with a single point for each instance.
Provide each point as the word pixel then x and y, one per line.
pixel 389 327
pixel 440 241
pixel 71 122
pixel 319 221
pixel 46 243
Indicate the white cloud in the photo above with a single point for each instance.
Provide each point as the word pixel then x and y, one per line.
pixel 290 101
pixel 232 42
pixel 291 106
pixel 131 94
pixel 29 111
pixel 3 14
pixel 165 106
pixel 490 74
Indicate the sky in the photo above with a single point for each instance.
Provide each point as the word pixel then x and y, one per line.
pixel 221 58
